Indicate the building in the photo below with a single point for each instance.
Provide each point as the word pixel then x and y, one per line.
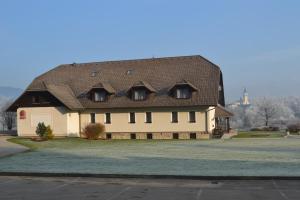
pixel 157 98
pixel 243 102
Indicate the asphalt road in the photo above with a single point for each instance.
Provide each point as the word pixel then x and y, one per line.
pixel 36 188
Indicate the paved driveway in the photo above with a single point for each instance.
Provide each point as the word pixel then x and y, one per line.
pixel 8 148
pixel 29 188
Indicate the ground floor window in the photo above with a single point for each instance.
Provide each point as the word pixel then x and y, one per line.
pixel 149 136
pixel 108 136
pixel 93 118
pixel 133 136
pixel 193 136
pixel 175 136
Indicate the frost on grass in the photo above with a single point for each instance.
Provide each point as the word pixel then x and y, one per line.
pixel 267 157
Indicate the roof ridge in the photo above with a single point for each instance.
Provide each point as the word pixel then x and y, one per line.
pixel 140 60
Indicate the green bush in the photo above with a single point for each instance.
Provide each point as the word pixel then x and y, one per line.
pixel 44 132
pixel 93 131
pixel 49 133
pixel 41 129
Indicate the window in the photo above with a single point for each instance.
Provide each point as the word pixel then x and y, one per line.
pixel 93 118
pixel 139 94
pixel 132 117
pixel 107 118
pixel 133 136
pixel 193 136
pixel 183 93
pixel 108 136
pixel 22 114
pixel 174 117
pixel 192 117
pixel 99 96
pixel 148 117
pixel 175 136
pixel 36 99
pixel 149 136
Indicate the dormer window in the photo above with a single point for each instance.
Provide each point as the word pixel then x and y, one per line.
pixel 183 93
pixel 139 94
pixel 140 91
pixel 99 96
pixel 182 90
pixel 100 92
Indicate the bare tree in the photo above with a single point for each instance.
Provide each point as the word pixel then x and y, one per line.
pixel 7 119
pixel 266 109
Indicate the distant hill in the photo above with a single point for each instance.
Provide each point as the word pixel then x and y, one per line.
pixel 10 92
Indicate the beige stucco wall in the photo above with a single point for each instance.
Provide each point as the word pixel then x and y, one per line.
pixel 161 120
pixel 56 117
pixel 73 124
pixel 66 123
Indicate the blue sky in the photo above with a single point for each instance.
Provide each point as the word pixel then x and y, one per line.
pixel 256 43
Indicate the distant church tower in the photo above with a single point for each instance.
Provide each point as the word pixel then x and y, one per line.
pixel 245 99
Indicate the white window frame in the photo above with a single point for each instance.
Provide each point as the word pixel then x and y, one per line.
pixel 189 119
pixel 146 118
pixel 105 121
pixel 129 121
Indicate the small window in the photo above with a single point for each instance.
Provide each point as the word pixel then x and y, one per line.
pixel 100 96
pixel 36 99
pixel 132 117
pixel 132 136
pixel 175 136
pixel 148 117
pixel 107 118
pixel 183 93
pixel 149 136
pixel 174 117
pixel 139 94
pixel 22 114
pixel 193 136
pixel 93 118
pixel 108 136
pixel 192 116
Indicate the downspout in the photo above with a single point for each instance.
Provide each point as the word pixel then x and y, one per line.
pixel 79 113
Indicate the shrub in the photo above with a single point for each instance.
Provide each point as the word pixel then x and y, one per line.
pixel 41 129
pixel 44 132
pixel 49 133
pixel 294 128
pixel 265 128
pixel 93 131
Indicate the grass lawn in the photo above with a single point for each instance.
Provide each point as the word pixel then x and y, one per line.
pixel 272 156
pixel 260 134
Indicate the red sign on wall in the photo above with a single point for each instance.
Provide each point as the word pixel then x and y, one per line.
pixel 22 114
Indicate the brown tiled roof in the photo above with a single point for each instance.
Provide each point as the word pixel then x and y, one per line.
pixel 65 95
pixel 184 83
pixel 70 82
pixel 143 84
pixel 222 112
pixel 105 86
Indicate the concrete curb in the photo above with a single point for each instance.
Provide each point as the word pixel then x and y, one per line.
pixel 134 176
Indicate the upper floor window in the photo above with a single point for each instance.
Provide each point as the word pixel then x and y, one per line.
pixel 132 117
pixel 174 117
pixel 183 93
pixel 139 94
pixel 107 118
pixel 36 99
pixel 93 118
pixel 99 96
pixel 148 117
pixel 192 117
